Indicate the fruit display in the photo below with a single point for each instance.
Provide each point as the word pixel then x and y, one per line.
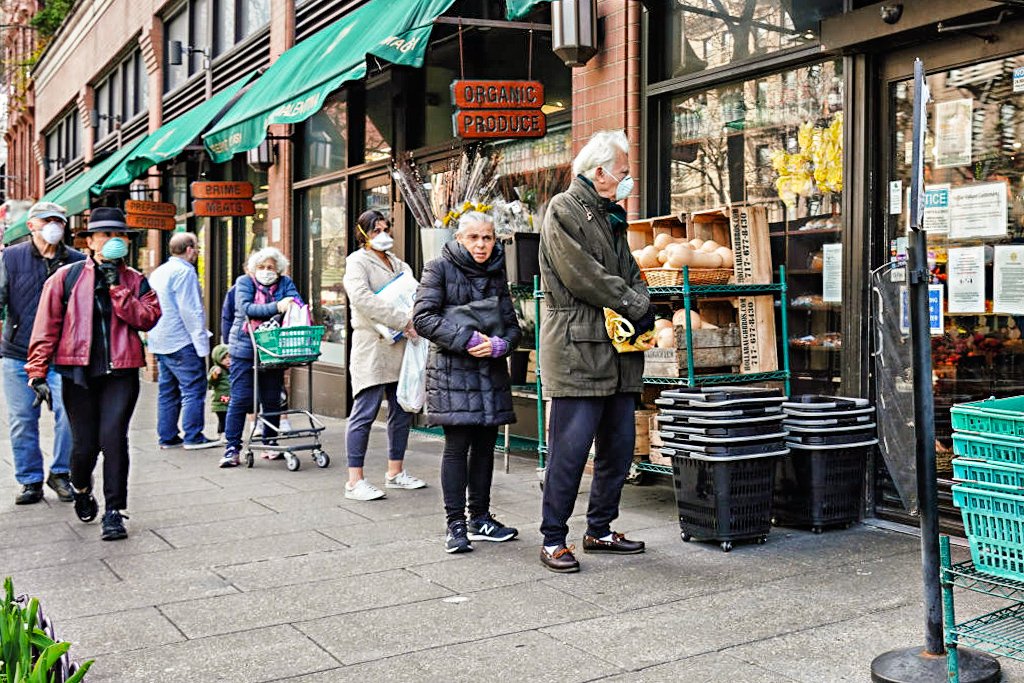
pixel 674 253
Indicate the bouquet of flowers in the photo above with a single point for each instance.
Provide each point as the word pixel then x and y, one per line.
pixel 816 167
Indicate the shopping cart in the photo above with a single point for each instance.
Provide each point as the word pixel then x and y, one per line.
pixel 279 348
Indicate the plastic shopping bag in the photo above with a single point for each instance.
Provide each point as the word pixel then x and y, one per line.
pixel 412 378
pixel 399 292
pixel 297 316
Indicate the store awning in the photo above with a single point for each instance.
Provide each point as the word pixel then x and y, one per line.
pixel 74 195
pixel 517 9
pixel 170 139
pixel 295 86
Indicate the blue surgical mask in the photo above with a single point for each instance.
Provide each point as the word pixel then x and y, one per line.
pixel 624 188
pixel 114 248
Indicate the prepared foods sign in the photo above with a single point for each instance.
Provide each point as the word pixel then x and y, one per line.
pixel 149 222
pixel 500 123
pixel 134 206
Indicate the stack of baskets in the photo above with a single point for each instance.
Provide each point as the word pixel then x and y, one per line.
pixel 989 471
pixel 723 442
pixel 830 438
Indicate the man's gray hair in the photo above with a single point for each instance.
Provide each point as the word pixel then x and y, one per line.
pixel 600 150
pixel 472 217
pixel 262 255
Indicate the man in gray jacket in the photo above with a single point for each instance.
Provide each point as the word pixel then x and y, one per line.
pixel 586 266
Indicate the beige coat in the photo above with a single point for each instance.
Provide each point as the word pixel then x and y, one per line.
pixel 374 360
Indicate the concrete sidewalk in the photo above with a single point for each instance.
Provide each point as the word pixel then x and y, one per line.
pixel 270 575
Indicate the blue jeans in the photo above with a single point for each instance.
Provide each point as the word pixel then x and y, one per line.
pixel 24 423
pixel 182 392
pixel 364 411
pixel 271 384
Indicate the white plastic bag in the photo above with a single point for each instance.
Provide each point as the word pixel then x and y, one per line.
pixel 412 378
pixel 297 315
pixel 400 292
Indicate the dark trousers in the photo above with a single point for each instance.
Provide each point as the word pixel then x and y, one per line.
pixel 364 411
pixel 475 444
pixel 221 417
pixel 271 383
pixel 575 423
pixel 99 415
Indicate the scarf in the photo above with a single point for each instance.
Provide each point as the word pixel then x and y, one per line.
pixel 263 295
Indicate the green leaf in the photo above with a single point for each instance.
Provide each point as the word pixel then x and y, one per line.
pixel 80 674
pixel 46 660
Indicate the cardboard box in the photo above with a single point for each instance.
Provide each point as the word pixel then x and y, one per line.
pixel 642 232
pixel 642 417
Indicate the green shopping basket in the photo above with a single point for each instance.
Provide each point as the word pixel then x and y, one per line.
pixel 288 345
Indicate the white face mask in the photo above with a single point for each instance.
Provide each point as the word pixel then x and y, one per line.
pixel 266 277
pixel 382 241
pixel 52 232
pixel 624 187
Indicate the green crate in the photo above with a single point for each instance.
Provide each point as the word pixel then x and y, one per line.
pixel 1002 416
pixel 288 345
pixel 989 447
pixel 994 522
pixel 989 475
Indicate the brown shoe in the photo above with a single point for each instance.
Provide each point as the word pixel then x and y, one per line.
pixel 561 561
pixel 619 545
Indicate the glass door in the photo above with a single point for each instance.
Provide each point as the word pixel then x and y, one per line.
pixel 974 218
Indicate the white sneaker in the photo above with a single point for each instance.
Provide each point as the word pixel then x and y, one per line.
pixel 363 490
pixel 286 426
pixel 403 480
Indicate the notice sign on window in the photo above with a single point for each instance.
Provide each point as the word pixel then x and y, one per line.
pixel 936 208
pixel 977 210
pixel 965 277
pixel 935 322
pixel 1018 79
pixel 953 133
pixel 832 272
pixel 1008 280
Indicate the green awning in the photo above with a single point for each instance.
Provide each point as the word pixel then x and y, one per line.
pixel 170 139
pixel 517 9
pixel 74 194
pixel 297 83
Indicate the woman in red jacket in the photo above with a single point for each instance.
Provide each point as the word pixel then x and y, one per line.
pixel 88 323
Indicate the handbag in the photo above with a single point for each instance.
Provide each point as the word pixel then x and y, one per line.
pixel 483 315
pixel 620 331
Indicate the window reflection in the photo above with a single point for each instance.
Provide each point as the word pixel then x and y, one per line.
pixel 323 211
pixel 325 137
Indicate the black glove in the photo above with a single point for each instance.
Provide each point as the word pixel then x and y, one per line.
pixel 643 324
pixel 43 395
pixel 108 273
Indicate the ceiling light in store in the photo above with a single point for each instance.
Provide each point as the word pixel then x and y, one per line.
pixel 553 107
pixel 1016 145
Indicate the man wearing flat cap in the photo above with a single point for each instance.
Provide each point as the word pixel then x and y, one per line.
pixel 24 268
pixel 87 328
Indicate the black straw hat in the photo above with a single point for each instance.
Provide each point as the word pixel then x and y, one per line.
pixel 106 219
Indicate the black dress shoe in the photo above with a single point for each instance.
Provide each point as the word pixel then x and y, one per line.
pixel 30 493
pixel 61 485
pixel 561 561
pixel 619 544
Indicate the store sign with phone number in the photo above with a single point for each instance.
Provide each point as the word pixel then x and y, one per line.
pixel 498 109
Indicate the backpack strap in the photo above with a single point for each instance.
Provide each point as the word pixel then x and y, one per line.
pixel 74 272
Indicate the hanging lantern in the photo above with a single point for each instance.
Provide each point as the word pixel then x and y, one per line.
pixel 574 30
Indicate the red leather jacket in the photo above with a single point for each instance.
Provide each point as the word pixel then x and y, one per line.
pixel 63 335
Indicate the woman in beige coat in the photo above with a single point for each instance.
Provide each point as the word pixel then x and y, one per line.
pixel 376 361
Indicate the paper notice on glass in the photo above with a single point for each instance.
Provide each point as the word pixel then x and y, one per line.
pixel 953 133
pixel 965 278
pixel 1008 280
pixel 895 197
pixel 977 210
pixel 936 208
pixel 936 323
pixel 832 272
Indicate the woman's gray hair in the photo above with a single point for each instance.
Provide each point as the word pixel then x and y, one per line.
pixel 471 217
pixel 600 150
pixel 262 255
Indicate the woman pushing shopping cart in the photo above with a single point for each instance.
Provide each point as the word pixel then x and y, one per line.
pixel 262 344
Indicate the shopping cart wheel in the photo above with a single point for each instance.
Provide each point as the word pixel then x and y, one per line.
pixel 249 459
pixel 761 540
pixel 817 530
pixel 321 459
pixel 292 461
pixel 726 546
pixel 685 536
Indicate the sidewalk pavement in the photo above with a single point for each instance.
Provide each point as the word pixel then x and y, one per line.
pixel 269 575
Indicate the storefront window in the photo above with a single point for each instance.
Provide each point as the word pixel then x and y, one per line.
pixel 974 218
pixel 325 139
pixel 775 141
pixel 534 171
pixel 704 34
pixel 323 211
pixel 255 230
pixel 379 122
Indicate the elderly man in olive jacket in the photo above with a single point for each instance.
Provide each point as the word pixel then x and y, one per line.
pixel 586 266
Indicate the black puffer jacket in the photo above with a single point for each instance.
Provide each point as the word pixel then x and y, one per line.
pixel 462 389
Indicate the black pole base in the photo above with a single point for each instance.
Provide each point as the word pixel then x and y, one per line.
pixel 914 665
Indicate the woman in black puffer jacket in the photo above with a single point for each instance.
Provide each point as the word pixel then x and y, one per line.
pixel 468 388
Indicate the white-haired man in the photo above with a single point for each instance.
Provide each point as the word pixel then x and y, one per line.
pixel 585 267
pixel 24 268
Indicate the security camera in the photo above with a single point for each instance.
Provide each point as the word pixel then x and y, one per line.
pixel 891 13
